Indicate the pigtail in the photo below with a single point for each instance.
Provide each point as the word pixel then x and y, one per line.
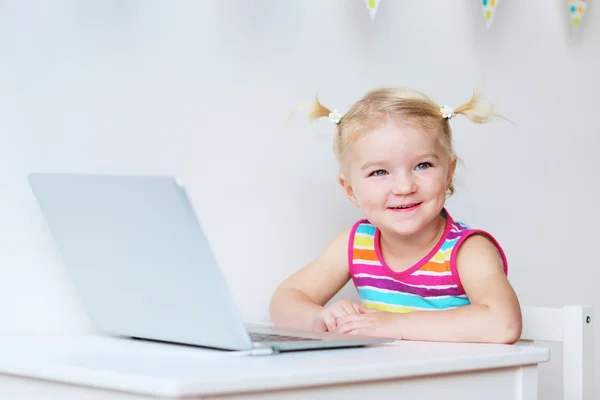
pixel 477 109
pixel 317 110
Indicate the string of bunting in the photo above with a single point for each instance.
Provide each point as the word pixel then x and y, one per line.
pixel 576 9
pixel 372 6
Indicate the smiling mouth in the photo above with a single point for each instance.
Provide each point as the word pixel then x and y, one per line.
pixel 405 207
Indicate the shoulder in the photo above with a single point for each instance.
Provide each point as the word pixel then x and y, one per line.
pixel 479 257
pixel 346 237
pixel 477 245
pixel 472 242
pixel 475 249
pixel 336 255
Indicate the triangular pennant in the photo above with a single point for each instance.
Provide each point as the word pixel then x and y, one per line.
pixel 576 10
pixel 489 11
pixel 372 6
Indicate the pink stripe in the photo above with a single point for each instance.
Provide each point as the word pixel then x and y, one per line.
pixel 368 269
pixel 457 246
pixel 351 265
pixel 429 280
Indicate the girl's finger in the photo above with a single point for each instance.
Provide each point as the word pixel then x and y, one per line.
pixel 347 318
pixel 359 331
pixel 350 309
pixel 330 322
pixel 346 328
pixel 365 310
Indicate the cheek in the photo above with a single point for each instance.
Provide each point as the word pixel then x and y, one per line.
pixel 370 191
pixel 434 182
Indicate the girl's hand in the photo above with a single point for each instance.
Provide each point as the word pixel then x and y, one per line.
pixel 370 323
pixel 326 318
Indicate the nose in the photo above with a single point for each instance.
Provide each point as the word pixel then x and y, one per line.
pixel 404 184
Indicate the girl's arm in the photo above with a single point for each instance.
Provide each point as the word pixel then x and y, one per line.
pixel 494 315
pixel 298 300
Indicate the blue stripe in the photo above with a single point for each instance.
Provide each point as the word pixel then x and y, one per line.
pixel 366 229
pixel 448 244
pixel 401 299
pixel 462 225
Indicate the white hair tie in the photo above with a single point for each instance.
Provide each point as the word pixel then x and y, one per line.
pixel 335 117
pixel 448 112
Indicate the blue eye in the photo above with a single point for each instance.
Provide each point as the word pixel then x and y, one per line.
pixel 423 165
pixel 379 172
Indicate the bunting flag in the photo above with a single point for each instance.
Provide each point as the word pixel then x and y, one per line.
pixel 576 10
pixel 372 6
pixel 489 11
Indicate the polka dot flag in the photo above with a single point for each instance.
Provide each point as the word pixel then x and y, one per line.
pixel 576 10
pixel 372 6
pixel 489 11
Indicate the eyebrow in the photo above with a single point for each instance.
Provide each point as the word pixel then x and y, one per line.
pixel 432 155
pixel 370 164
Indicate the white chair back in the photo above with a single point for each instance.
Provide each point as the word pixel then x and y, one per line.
pixel 573 327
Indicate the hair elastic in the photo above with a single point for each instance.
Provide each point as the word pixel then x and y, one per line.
pixel 448 112
pixel 335 117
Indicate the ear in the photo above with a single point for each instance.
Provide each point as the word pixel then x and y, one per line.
pixel 451 170
pixel 345 183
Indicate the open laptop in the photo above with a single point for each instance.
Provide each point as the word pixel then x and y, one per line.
pixel 143 267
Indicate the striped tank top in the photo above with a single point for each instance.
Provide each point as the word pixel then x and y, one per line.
pixel 431 284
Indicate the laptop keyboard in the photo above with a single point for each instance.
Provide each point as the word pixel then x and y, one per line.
pixel 270 337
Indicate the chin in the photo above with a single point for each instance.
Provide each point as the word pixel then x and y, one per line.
pixel 405 230
pixel 402 228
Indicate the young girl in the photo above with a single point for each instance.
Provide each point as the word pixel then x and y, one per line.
pixel 420 274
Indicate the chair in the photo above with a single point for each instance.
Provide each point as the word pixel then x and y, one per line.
pixel 573 327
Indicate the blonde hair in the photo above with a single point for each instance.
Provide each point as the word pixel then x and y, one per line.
pixel 408 104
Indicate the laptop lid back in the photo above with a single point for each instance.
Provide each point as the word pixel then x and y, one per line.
pixel 139 259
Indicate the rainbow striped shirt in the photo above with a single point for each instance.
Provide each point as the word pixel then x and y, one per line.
pixel 431 284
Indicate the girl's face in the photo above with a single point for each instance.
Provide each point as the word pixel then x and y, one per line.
pixel 398 175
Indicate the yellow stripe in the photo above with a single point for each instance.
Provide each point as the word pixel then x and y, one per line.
pixel 385 307
pixel 364 241
pixel 441 256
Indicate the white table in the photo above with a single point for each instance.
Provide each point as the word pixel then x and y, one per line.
pixel 109 368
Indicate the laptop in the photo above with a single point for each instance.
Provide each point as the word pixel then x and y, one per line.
pixel 143 267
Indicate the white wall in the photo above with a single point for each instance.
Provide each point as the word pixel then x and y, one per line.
pixel 205 89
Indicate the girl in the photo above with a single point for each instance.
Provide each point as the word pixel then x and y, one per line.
pixel 420 274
